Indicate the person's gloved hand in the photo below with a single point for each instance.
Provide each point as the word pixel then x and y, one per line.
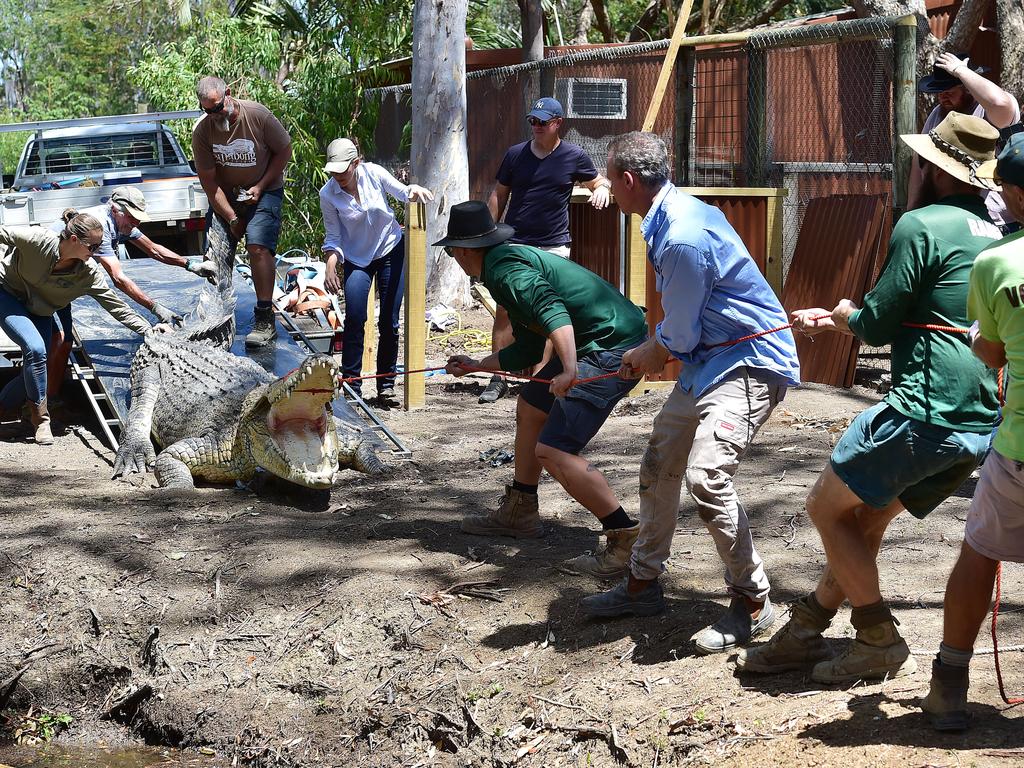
pixel 202 268
pixel 164 315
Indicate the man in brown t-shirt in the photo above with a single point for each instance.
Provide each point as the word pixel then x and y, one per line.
pixel 240 151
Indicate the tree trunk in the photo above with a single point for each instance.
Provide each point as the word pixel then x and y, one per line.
pixel 532 13
pixel 927 43
pixel 1010 20
pixel 604 25
pixel 583 24
pixel 644 27
pixel 965 26
pixel 439 156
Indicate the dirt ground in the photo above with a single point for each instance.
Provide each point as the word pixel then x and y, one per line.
pixel 361 628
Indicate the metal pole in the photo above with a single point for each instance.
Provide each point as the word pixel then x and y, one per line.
pixel 904 84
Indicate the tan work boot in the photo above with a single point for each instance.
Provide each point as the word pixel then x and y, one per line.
pixel 797 645
pixel 40 417
pixel 611 558
pixel 946 702
pixel 877 653
pixel 518 515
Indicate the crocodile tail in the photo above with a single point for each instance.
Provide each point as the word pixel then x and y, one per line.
pixel 213 319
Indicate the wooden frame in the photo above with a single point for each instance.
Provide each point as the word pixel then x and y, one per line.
pixel 415 304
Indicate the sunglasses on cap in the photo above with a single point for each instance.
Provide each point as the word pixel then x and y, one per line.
pixel 218 107
pixel 537 121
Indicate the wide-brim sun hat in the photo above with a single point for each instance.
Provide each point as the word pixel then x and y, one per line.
pixel 470 225
pixel 340 154
pixel 959 145
pixel 940 80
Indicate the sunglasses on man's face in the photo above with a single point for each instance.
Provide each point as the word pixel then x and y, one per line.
pixel 218 107
pixel 536 121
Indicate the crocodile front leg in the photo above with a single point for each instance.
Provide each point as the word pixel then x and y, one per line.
pixel 204 457
pixel 135 453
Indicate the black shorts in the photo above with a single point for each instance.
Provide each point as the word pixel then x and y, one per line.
pixel 575 419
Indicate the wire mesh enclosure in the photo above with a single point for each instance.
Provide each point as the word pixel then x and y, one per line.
pixel 810 109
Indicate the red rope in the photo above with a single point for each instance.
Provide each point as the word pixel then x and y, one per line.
pixel 995 640
pixel 504 374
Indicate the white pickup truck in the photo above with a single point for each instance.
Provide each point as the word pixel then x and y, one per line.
pixel 78 163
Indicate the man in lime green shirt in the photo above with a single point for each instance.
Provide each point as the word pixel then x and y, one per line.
pixel 916 447
pixel 590 326
pixel 995 524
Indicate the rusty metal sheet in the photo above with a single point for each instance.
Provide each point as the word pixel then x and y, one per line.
pixel 596 240
pixel 834 259
pixel 748 216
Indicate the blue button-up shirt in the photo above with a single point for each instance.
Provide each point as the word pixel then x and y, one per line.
pixel 712 292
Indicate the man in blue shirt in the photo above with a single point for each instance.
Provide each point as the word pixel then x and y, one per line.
pixel 535 182
pixel 712 294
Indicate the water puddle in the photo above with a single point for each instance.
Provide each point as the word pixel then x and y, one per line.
pixel 52 756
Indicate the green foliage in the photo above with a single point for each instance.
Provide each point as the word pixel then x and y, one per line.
pixel 32 728
pixel 304 64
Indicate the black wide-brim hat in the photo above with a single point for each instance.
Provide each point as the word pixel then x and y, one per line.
pixel 470 225
pixel 940 80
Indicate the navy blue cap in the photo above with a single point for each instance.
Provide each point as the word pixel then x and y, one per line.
pixel 1010 163
pixel 546 109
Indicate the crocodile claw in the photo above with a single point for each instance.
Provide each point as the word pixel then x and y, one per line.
pixel 134 456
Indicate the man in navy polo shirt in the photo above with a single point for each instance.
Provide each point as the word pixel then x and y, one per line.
pixel 535 181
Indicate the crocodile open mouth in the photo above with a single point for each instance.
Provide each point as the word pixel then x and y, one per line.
pixel 301 441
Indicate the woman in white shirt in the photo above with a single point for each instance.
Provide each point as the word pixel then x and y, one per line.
pixel 363 234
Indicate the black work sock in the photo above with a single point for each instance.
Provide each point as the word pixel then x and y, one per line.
pixel 616 520
pixel 869 615
pixel 820 612
pixel 524 487
pixel 264 305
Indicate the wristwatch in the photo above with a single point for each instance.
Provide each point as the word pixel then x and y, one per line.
pixel 233 221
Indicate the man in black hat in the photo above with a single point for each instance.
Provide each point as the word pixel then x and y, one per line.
pixel 590 325
pixel 959 86
pixel 535 181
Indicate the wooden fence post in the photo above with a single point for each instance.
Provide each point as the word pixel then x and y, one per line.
pixel 415 304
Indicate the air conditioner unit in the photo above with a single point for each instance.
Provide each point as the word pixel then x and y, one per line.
pixel 592 97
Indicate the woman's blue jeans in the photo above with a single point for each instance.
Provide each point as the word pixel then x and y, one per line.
pixel 32 334
pixel 390 273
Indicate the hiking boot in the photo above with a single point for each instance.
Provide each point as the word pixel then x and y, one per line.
pixel 495 390
pixel 735 627
pixel 264 329
pixel 612 556
pixel 517 515
pixel 40 418
pixel 946 702
pixel 386 399
pixel 618 602
pixel 877 653
pixel 797 645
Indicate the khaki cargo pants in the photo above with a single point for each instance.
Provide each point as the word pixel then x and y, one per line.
pixel 702 440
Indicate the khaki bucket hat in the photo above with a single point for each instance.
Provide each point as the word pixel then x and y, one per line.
pixel 958 145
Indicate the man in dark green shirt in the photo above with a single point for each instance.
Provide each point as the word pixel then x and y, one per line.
pixel 590 325
pixel 917 446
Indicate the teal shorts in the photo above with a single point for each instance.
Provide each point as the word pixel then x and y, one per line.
pixel 885 456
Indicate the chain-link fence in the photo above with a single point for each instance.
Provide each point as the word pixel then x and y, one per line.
pixel 808 108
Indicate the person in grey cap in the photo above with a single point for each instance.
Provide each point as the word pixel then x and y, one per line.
pixel 361 233
pixel 960 86
pixel 534 183
pixel 120 217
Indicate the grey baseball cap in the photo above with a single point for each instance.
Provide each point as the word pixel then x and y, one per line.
pixel 132 200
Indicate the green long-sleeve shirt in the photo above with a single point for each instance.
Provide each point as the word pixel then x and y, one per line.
pixel 543 292
pixel 27 258
pixel 935 376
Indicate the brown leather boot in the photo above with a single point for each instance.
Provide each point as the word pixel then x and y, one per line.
pixel 946 702
pixel 611 558
pixel 877 653
pixel 40 417
pixel 517 515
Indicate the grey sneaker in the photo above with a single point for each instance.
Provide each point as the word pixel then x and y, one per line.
pixel 618 602
pixel 877 653
pixel 735 627
pixel 797 645
pixel 264 329
pixel 611 559
pixel 494 391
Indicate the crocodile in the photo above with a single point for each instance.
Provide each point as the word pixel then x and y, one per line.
pixel 220 417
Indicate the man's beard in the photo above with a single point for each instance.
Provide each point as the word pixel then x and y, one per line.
pixel 223 120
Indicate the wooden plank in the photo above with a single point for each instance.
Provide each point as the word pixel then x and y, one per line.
pixel 667 65
pixel 635 281
pixel 773 259
pixel 369 364
pixel 415 304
